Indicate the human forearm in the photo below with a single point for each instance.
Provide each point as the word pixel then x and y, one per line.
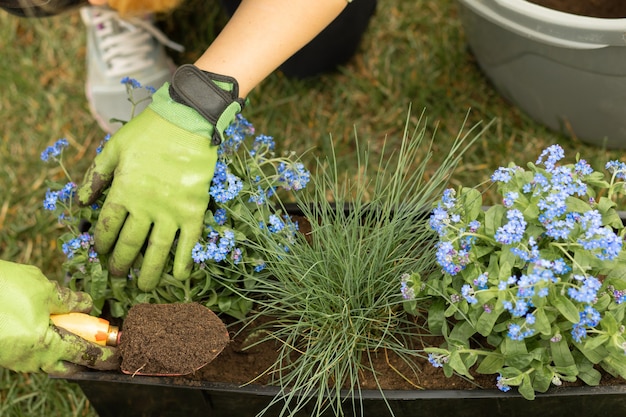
pixel 262 34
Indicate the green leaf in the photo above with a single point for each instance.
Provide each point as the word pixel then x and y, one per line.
pixel 565 307
pixel 116 308
pixel 479 251
pixel 493 219
pixel 515 353
pixel 485 296
pixel 604 205
pixel 602 302
pixel 531 212
pixel 615 366
pixel 563 358
pixel 486 321
pixel 144 298
pixel 472 200
pixel 576 205
pixel 586 372
pixel 519 360
pixel 541 378
pixel 593 343
pixel 612 219
pixel 609 324
pixel 513 376
pixel 456 362
pixel 506 263
pixel 526 388
pixel 224 303
pixel 542 323
pixel 590 376
pixel 436 317
pixel 616 274
pixel 588 259
pixel 491 364
pixel 439 351
pixel 99 281
pixel 596 355
pixel 462 332
pixel 513 347
pixel 597 180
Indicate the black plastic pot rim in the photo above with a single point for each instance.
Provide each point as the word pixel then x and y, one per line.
pixel 404 395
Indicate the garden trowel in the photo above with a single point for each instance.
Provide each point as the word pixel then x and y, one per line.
pixel 156 339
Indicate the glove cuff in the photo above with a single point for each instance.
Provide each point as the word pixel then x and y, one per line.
pixel 214 96
pixel 178 114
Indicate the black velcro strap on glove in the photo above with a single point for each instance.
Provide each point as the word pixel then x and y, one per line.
pixel 201 91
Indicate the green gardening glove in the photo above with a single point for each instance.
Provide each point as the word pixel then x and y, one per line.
pixel 159 167
pixel 29 342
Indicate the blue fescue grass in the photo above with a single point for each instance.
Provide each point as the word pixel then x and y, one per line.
pixel 336 293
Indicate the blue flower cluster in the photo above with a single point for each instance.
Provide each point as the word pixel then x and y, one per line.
pixel 220 216
pixel 54 151
pixel 406 289
pixel 133 84
pixel 261 195
pixel 293 177
pixel 438 360
pixel 63 195
pixel 589 318
pixel 103 142
pixel 277 225
pixel 452 260
pixel 513 231
pixel 216 248
pixel 84 241
pixel 235 134
pixel 600 240
pixel 130 82
pixel 262 142
pixel 617 168
pixel 501 383
pixel 587 292
pixel 225 186
pixel 533 239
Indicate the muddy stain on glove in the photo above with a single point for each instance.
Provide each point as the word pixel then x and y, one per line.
pixel 170 339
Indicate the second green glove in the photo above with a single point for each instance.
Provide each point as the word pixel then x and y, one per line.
pixel 159 167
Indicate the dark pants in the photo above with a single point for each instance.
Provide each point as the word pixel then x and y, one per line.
pixel 332 47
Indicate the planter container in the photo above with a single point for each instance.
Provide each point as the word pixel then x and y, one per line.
pixel 566 71
pixel 117 395
pixel 114 394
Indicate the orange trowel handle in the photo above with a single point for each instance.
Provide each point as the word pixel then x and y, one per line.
pixel 88 327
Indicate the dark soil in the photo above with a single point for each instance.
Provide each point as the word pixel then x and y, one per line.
pixel 178 339
pixel 240 363
pixel 170 339
pixel 593 8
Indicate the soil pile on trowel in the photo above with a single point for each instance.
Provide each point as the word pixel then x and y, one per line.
pixel 170 339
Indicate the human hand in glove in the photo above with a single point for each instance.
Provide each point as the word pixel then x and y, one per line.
pixel 159 167
pixel 29 342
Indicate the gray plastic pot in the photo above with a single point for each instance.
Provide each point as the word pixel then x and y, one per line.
pixel 566 71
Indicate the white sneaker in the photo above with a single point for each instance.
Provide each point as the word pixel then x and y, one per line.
pixel 119 48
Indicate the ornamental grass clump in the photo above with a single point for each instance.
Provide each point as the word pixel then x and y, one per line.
pixel 333 292
pixel 533 289
pixel 248 176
